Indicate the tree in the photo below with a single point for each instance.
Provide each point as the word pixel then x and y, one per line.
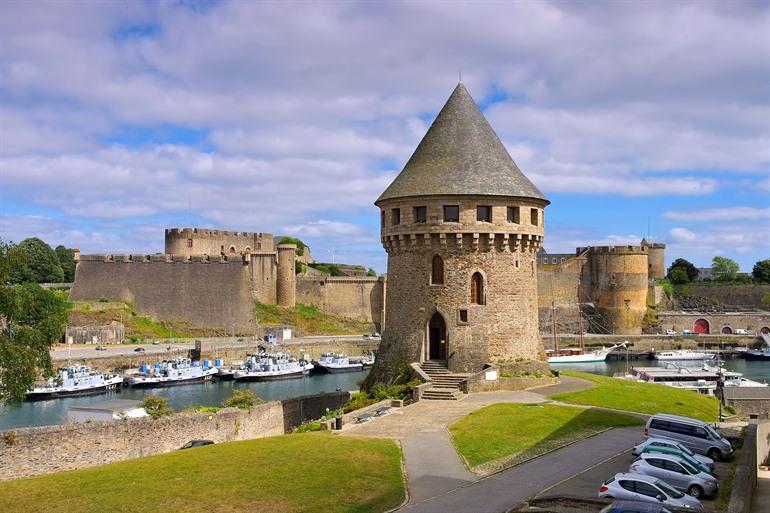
pixel 31 320
pixel 689 269
pixel 12 262
pixel 678 276
pixel 42 263
pixel 291 240
pixel 371 272
pixel 67 262
pixel 156 406
pixel 724 269
pixel 761 271
pixel 243 399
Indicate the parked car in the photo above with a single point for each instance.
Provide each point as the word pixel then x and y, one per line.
pixel 670 332
pixel 676 472
pixel 101 348
pixel 155 342
pixel 638 487
pixel 675 448
pixel 139 350
pixel 634 507
pixel 196 443
pixel 696 435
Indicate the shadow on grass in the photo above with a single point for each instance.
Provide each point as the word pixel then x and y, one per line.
pixel 588 422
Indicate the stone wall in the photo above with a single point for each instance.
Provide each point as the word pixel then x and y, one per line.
pixel 113 333
pixel 358 298
pixel 41 450
pixel 203 292
pixel 745 478
pixel 619 286
pixel 680 321
pixel 310 407
pixel 723 297
pixel 206 241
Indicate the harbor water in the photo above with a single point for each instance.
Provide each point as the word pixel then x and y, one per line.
pixel 54 411
pixel 755 370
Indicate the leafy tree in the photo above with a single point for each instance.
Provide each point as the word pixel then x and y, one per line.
pixel 724 269
pixel 42 263
pixel 690 270
pixel 12 262
pixel 761 271
pixel 243 399
pixel 31 320
pixel 371 272
pixel 67 262
pixel 156 406
pixel 291 240
pixel 678 276
pixel 331 269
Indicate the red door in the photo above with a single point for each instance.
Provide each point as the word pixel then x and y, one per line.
pixel 701 327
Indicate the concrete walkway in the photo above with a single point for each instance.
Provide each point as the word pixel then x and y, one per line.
pixel 760 503
pixel 434 470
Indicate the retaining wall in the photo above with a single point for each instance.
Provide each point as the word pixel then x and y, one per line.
pixel 311 407
pixel 745 479
pixel 42 450
pixel 359 298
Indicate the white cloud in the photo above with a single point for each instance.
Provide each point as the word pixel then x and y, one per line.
pixel 719 214
pixel 681 235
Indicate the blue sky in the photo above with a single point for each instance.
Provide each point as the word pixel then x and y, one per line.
pixel 118 119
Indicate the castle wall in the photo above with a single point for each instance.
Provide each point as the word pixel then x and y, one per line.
pixel 205 241
pixel 681 321
pixel 619 286
pixel 358 298
pixel 198 290
pixel 565 284
pixel 656 266
pixel 264 277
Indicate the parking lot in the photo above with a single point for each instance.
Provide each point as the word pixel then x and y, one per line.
pixel 586 484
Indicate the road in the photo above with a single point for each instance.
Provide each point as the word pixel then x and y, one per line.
pixel 88 351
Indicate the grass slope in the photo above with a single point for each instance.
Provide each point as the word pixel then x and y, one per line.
pixel 293 473
pixel 310 320
pixel 500 435
pixel 641 397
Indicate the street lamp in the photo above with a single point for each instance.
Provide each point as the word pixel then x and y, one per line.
pixel 626 343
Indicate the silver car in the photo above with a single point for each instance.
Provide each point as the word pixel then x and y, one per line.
pixel 694 434
pixel 639 487
pixel 675 471
pixel 664 442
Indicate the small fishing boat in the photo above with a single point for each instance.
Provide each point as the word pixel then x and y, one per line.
pixel 598 355
pixel 758 354
pixel 267 367
pixel 337 363
pixel 75 380
pixel 367 360
pixel 682 354
pixel 181 371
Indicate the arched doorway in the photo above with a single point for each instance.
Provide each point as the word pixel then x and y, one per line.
pixel 701 327
pixel 765 330
pixel 727 330
pixel 437 337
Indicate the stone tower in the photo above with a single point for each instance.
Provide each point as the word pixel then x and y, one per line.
pixel 286 286
pixel 656 255
pixel 461 225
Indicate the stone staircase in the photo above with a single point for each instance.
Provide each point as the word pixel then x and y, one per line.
pixel 444 383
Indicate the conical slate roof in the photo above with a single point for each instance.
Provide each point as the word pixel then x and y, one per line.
pixel 461 154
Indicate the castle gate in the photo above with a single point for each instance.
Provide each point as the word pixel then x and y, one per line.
pixel 437 338
pixel 727 330
pixel 701 327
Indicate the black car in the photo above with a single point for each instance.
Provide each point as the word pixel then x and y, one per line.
pixel 139 350
pixel 196 443
pixel 634 507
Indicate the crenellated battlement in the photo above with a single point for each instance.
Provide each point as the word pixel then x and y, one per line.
pixel 163 258
pixel 213 233
pixel 619 250
pixel 513 242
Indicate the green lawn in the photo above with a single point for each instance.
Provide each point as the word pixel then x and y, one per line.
pixel 292 473
pixel 503 434
pixel 641 397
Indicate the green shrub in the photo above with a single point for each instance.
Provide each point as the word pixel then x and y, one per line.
pixel 201 409
pixel 243 399
pixel 103 300
pixel 156 406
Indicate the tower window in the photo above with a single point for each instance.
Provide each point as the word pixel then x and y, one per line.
pixel 189 243
pixel 513 215
pixel 437 271
pixel 533 217
pixel 484 213
pixel 382 219
pixel 463 315
pixel 420 214
pixel 451 213
pixel 477 289
pixel 395 216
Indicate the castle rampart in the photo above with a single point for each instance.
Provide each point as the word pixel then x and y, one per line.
pixel 200 241
pixel 355 297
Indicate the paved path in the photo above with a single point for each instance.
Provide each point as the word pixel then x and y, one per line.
pixel 434 470
pixel 761 499
pixel 509 488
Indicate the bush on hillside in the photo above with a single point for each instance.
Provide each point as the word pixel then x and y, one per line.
pixel 156 406
pixel 242 399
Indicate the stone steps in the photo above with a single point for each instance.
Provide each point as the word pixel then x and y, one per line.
pixel 444 384
pixel 442 394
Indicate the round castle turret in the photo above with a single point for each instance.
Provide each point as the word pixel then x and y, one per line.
pixel 656 254
pixel 461 225
pixel 286 286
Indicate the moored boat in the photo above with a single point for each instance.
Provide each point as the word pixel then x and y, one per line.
pixel 682 354
pixel 336 363
pixel 181 371
pixel 267 367
pixel 76 380
pixel 598 355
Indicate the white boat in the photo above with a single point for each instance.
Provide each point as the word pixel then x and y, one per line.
pixel 682 354
pixel 267 367
pixel 687 378
pixel 367 360
pixel 337 363
pixel 734 379
pixel 181 371
pixel 598 355
pixel 74 381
